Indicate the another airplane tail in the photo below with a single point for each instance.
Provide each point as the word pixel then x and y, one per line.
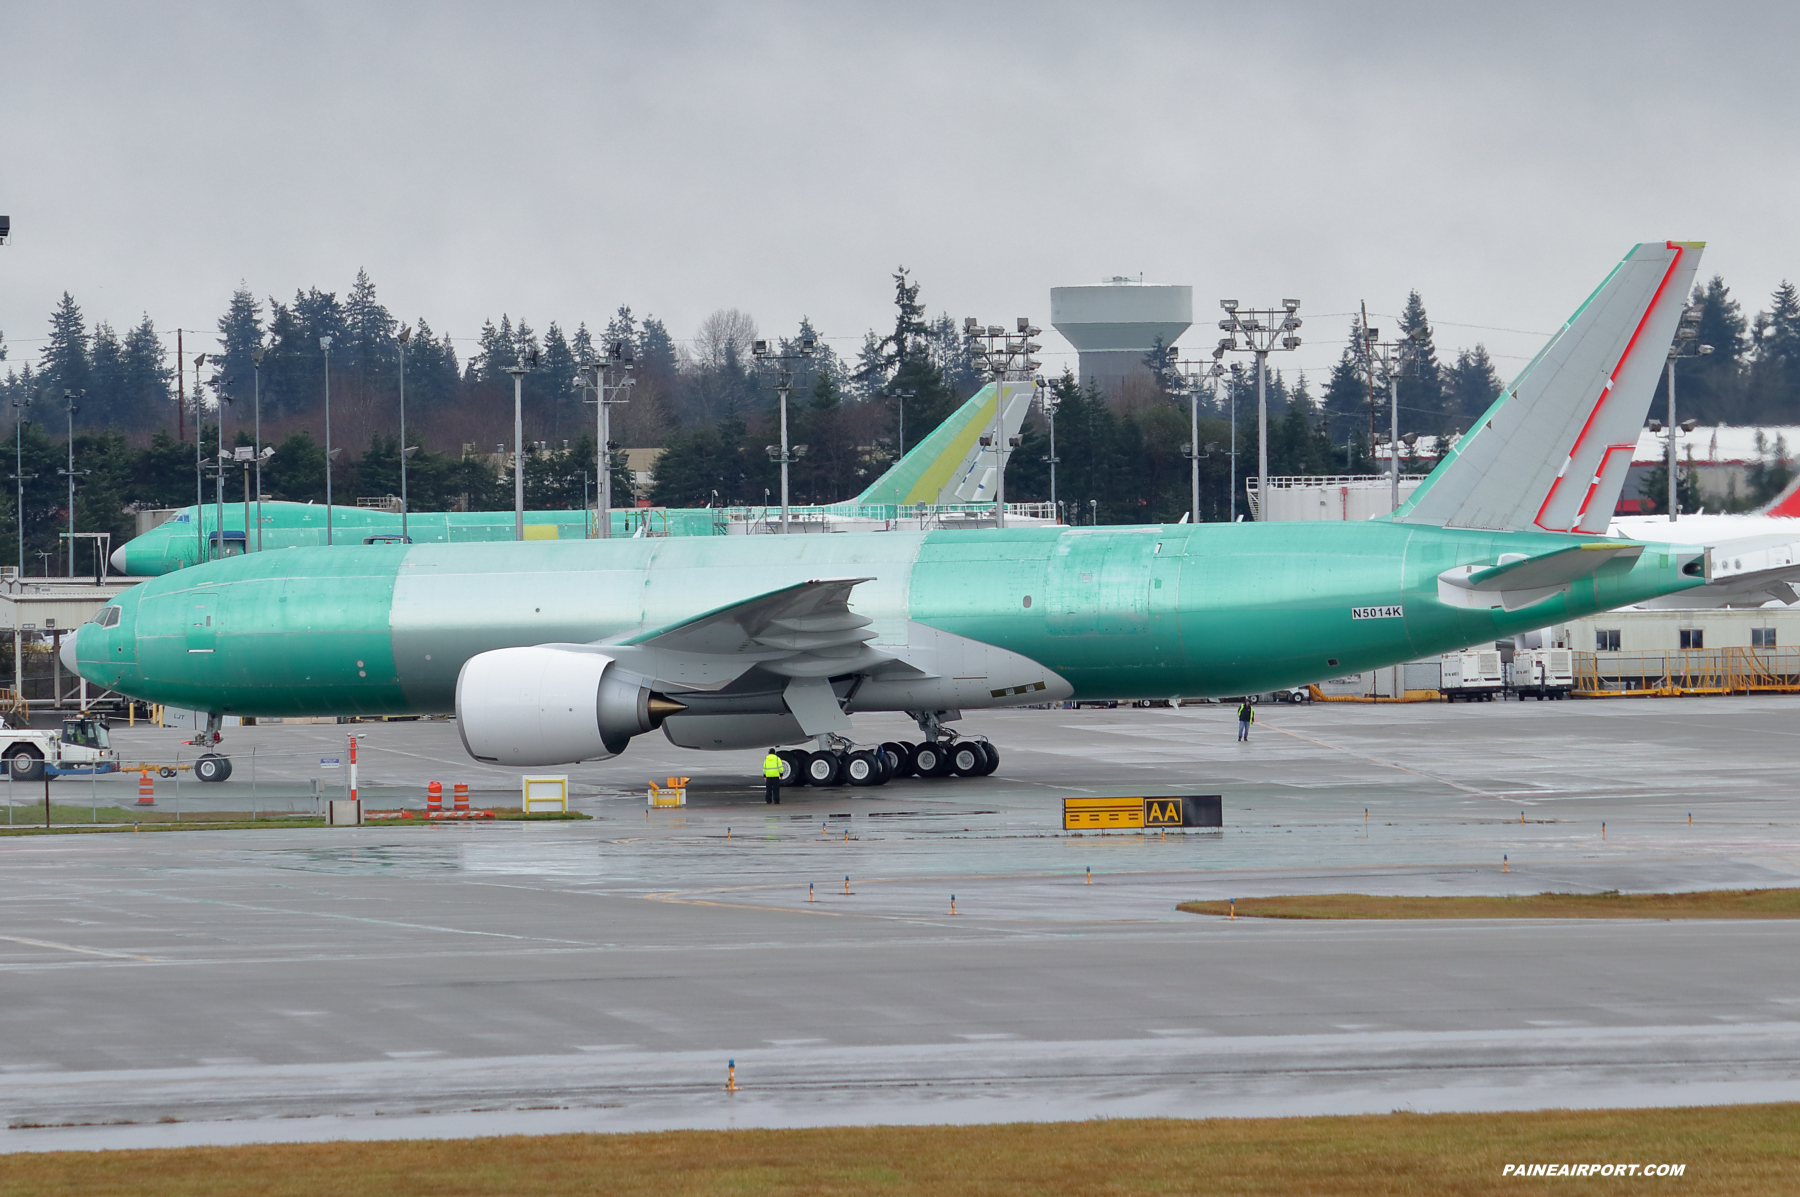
pixel 1553 450
pixel 1787 503
pixel 952 465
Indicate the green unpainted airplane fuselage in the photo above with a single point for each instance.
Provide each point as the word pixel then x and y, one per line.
pixel 1157 611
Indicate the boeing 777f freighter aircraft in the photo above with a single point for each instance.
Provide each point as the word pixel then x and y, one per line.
pixel 560 651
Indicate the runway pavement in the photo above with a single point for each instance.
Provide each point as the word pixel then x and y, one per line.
pixel 401 981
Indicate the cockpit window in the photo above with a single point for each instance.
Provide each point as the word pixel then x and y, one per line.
pixel 183 518
pixel 106 617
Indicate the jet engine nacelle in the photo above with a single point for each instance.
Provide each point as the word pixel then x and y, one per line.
pixel 550 706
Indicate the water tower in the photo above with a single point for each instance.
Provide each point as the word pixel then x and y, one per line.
pixel 1115 324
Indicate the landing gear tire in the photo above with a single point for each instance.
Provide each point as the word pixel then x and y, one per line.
pixel 793 768
pixel 899 758
pixel 931 760
pixel 824 769
pixel 212 768
pixel 993 759
pixel 25 766
pixel 967 759
pixel 864 769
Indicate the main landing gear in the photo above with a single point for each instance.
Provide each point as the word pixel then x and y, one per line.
pixel 211 766
pixel 839 762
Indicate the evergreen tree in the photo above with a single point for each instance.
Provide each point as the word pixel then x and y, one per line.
pixel 431 374
pixel 1421 389
pixel 64 365
pixel 1470 387
pixel 101 408
pixel 497 351
pixel 656 357
pixel 368 328
pixel 296 470
pixel 1775 359
pixel 241 334
pixel 1346 399
pixel 556 385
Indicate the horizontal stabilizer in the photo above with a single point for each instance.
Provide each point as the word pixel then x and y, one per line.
pixel 1519 581
pixel 1552 452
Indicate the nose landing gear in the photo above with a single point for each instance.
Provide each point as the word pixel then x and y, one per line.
pixel 211 766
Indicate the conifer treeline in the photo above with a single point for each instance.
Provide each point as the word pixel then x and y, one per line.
pixel 710 403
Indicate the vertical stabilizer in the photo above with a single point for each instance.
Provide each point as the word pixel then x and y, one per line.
pixel 1552 452
pixel 951 465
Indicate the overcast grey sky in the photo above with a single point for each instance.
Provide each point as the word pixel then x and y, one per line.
pixel 553 161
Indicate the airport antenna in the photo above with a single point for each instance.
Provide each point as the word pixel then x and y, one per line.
pixel 1686 345
pixel 1004 357
pixel 612 385
pixel 790 351
pixel 1263 331
pixel 325 345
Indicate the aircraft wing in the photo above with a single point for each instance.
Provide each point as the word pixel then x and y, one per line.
pixel 1519 581
pixel 1746 572
pixel 806 630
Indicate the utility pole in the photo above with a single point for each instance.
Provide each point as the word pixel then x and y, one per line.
pixel 1047 400
pixel 1387 361
pixel 517 370
pixel 620 357
pixel 256 360
pixel 1687 344
pixel 405 336
pixel 1193 382
pixel 1264 330
pixel 199 469
pixel 325 345
pixel 1001 354
pixel 20 477
pixel 69 398
pixel 180 391
pixel 783 386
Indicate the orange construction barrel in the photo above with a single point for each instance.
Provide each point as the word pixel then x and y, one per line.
pixel 146 789
pixel 434 796
pixel 462 795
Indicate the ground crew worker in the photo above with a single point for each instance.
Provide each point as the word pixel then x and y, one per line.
pixel 772 778
pixel 1246 716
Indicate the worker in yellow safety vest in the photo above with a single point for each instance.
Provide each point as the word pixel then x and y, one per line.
pixel 772 778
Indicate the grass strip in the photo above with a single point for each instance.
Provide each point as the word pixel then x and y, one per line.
pixel 1728 1151
pixel 79 820
pixel 1702 904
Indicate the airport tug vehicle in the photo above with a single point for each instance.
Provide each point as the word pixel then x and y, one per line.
pixel 80 749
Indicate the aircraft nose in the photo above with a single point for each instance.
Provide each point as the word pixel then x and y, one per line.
pixel 117 560
pixel 68 652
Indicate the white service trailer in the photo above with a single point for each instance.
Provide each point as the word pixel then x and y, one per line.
pixel 1472 676
pixel 1542 673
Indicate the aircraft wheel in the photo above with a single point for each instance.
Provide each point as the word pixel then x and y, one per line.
pixel 863 769
pixel 899 758
pixel 212 768
pixel 931 760
pixel 993 758
pixel 967 758
pixel 793 768
pixel 824 769
pixel 25 765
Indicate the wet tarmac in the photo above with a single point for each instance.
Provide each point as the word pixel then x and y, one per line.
pixel 414 980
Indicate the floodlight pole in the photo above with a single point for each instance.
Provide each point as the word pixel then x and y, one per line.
pixel 405 335
pixel 1047 399
pixel 19 475
pixel 783 387
pixel 325 344
pixel 1001 353
pixel 256 360
pixel 1687 344
pixel 1264 330
pixel 1192 384
pixel 517 370
pixel 200 467
pixel 69 398
pixel 618 352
